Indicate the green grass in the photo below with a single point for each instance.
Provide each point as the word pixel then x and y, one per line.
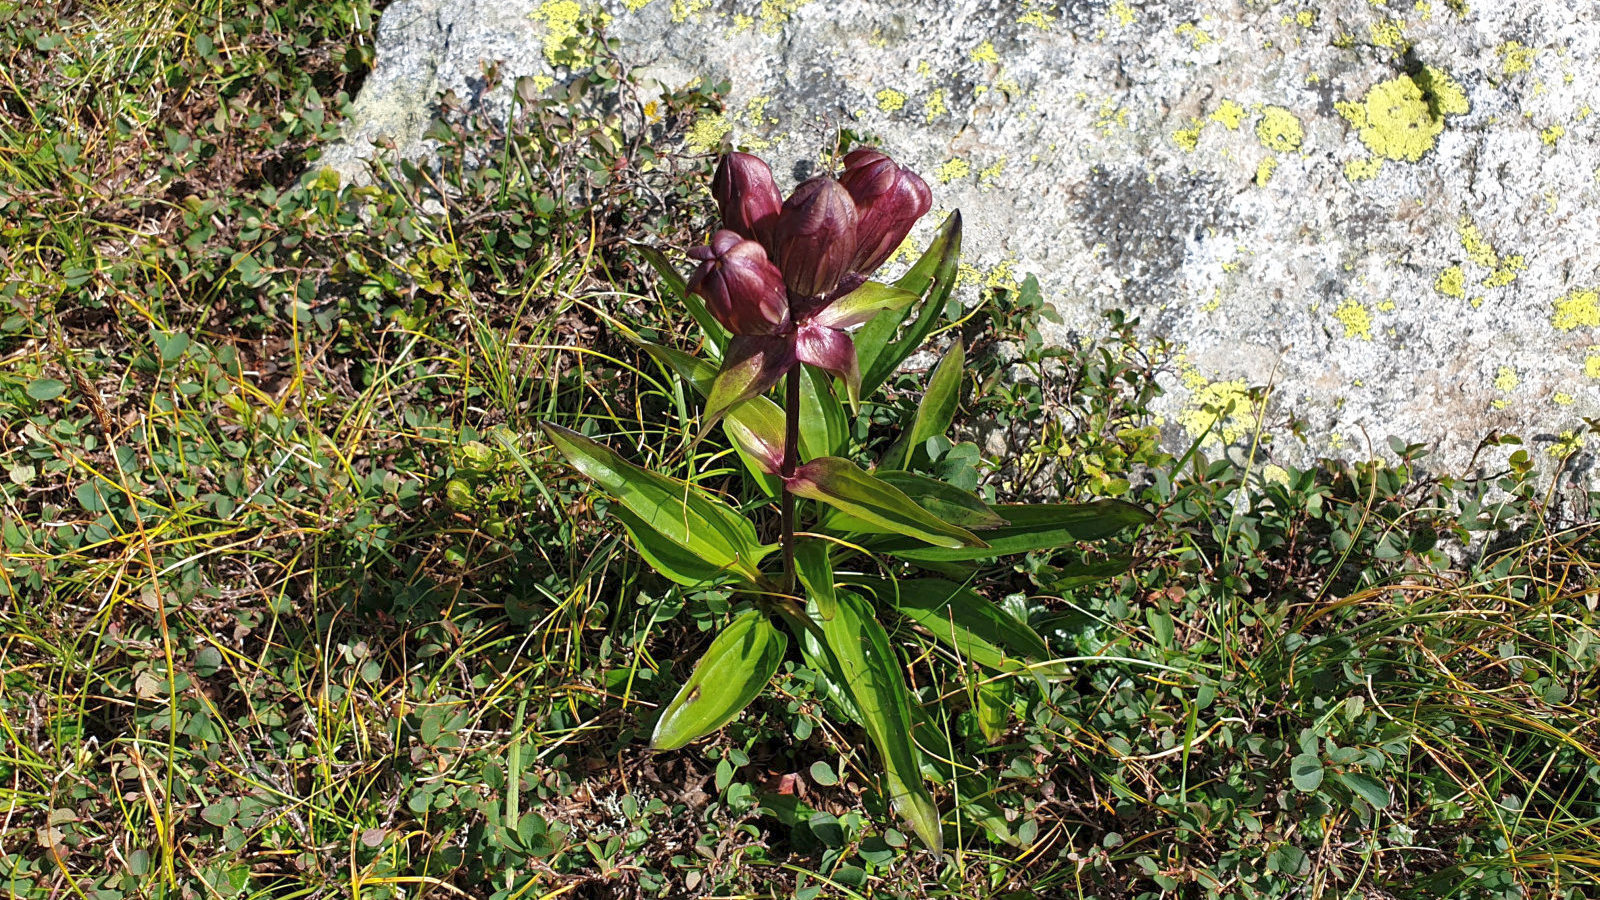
pixel 296 603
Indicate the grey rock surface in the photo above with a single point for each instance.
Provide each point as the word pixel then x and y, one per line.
pixel 1389 212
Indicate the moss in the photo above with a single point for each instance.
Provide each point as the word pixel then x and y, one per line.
pixel 1279 130
pixel 891 100
pixel 1581 307
pixel 1452 282
pixel 1402 118
pixel 1355 318
pixel 1228 114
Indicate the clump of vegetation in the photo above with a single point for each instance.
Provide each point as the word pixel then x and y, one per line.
pixel 296 598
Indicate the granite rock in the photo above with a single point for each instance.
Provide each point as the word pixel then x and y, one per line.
pixel 1388 212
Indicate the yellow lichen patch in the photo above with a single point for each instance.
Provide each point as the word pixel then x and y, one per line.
pixel 1272 473
pixel 1000 276
pixel 1189 138
pixel 1395 119
pixel 934 107
pixel 1198 37
pixel 1570 442
pixel 1355 318
pixel 1423 9
pixel 1387 305
pixel 543 82
pixel 1506 380
pixel 635 5
pixel 1562 398
pixel 560 18
pixel 924 68
pixel 682 9
pixel 1363 169
pixel 1591 363
pixel 1581 307
pixel 1265 168
pixel 992 172
pixel 984 53
pixel 952 169
pixel 1038 18
pixel 891 100
pixel 1478 248
pixel 1214 303
pixel 1506 274
pixel 967 273
pixel 1452 282
pixel 742 23
pixel 776 13
pixel 1228 114
pixel 1222 411
pixel 707 132
pixel 1110 116
pixel 1306 18
pixel 1279 130
pixel 1552 134
pixel 1514 57
pixel 1388 34
pixel 1123 13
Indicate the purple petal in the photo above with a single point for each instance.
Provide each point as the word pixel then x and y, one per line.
pixel 830 350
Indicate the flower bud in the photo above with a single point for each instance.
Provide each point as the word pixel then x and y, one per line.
pixel 815 236
pixel 741 287
pixel 889 199
pixel 747 196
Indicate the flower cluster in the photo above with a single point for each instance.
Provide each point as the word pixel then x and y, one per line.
pixel 786 277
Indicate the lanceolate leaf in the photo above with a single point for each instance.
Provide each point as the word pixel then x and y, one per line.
pixel 734 669
pixel 965 621
pixel 946 501
pixel 816 573
pixel 679 288
pixel 702 525
pixel 823 428
pixel 932 277
pixel 843 485
pixel 862 304
pixel 937 409
pixel 666 556
pixel 756 430
pixel 1043 526
pixel 753 364
pixel 872 675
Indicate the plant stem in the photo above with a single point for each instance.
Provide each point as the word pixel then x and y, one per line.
pixel 791 461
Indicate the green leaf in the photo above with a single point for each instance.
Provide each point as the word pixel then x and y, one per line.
pixel 816 573
pixel 756 416
pixel 993 707
pixel 1305 771
pixel 932 277
pixel 843 485
pixel 946 501
pixel 1081 574
pixel 667 556
pixel 698 373
pixel 1043 526
pixel 935 412
pixel 734 669
pixel 46 389
pixel 862 304
pixel 965 621
pixel 823 426
pixel 756 431
pixel 1367 788
pixel 872 675
pixel 706 527
pixel 678 286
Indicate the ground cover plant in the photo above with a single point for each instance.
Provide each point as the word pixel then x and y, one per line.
pixel 298 600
